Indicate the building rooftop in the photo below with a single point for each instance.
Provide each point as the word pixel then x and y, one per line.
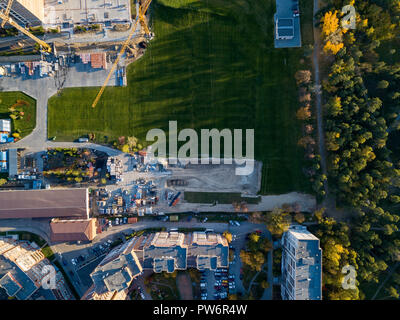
pixel 44 203
pixel 117 270
pixel 16 275
pixel 87 11
pixel 10 284
pixel 72 230
pixel 5 125
pixel 165 251
pixel 211 250
pixel 304 248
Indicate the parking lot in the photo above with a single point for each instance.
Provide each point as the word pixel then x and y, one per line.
pixel 80 265
pixel 288 10
pixel 216 285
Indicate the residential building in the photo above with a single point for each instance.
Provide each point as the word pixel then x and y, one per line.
pixel 22 269
pixel 26 12
pixel 301 265
pixel 113 276
pixel 158 252
pixel 207 251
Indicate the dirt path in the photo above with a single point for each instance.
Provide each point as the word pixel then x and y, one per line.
pixel 318 95
pixel 184 284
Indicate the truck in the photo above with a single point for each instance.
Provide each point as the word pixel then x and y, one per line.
pixel 172 202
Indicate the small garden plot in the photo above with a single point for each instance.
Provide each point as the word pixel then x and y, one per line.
pixel 70 166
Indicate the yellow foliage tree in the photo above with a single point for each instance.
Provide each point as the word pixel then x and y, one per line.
pixel 330 23
pixel 332 48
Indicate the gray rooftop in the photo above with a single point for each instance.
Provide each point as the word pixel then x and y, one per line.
pixel 165 252
pixel 283 14
pixel 209 245
pixel 10 285
pixel 117 270
pixel 12 162
pixel 308 258
pixel 27 285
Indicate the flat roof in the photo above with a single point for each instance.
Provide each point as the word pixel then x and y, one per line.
pixel 301 233
pixel 86 11
pixel 284 32
pixel 285 22
pixel 52 203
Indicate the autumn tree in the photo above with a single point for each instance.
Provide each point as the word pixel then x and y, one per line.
pixel 278 222
pixel 303 77
pixel 228 236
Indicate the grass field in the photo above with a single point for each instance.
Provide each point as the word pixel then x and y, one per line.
pixel 28 122
pixel 212 64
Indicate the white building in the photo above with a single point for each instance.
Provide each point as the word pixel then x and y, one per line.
pixel 301 265
pixel 5 125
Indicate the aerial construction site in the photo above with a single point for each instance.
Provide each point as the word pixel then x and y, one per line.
pixel 51 37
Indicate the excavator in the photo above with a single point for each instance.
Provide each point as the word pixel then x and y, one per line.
pixel 140 18
pixel 5 17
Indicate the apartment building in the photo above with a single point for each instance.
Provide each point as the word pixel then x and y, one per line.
pixel 159 252
pixel 26 12
pixel 301 265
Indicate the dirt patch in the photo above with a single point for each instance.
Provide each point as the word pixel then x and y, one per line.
pixel 184 284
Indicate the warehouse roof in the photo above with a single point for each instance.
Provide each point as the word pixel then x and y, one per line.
pixel 44 203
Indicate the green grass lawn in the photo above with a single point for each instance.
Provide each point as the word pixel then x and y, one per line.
pixel 28 122
pixel 212 64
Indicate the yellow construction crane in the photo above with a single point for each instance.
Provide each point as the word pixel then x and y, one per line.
pixel 7 12
pixel 142 11
pixel 142 19
pixel 4 15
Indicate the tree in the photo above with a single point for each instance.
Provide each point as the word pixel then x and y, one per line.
pixel 299 217
pixel 383 84
pixel 333 48
pixel 278 222
pixel 264 284
pixel 303 77
pixel 335 106
pixel 330 23
pixel 132 142
pixel 265 245
pixel 228 236
pixel 393 292
pixel 394 198
pixel 125 148
pixel 254 237
pixel 254 260
pixel 3 181
pixel 303 113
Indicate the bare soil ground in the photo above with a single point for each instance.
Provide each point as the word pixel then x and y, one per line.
pixel 184 284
